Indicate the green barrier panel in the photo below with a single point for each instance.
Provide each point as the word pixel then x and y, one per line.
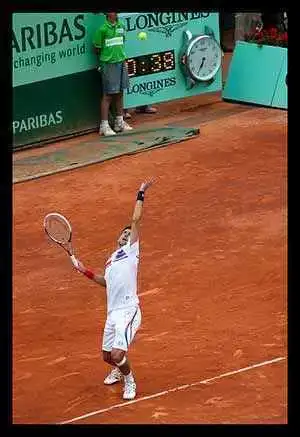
pixel 253 73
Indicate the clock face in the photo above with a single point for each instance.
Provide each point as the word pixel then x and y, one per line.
pixel 204 57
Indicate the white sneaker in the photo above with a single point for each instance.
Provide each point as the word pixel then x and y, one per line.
pixel 114 376
pixel 106 131
pixel 122 127
pixel 129 390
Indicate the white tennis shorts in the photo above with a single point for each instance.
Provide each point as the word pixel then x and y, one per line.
pixel 120 328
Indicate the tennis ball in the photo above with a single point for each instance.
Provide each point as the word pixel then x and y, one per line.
pixel 142 36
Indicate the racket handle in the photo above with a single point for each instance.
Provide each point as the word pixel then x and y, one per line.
pixel 74 260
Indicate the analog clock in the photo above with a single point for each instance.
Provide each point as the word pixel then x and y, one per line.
pixel 202 57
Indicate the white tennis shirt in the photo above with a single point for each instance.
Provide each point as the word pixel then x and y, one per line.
pixel 121 277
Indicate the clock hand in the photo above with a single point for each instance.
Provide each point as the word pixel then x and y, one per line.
pixel 203 59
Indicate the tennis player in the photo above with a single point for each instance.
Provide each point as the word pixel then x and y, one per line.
pixel 123 311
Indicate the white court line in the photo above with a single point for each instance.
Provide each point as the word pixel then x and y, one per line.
pixel 181 387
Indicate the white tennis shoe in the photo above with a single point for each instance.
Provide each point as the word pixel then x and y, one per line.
pixel 106 131
pixel 129 390
pixel 122 127
pixel 114 376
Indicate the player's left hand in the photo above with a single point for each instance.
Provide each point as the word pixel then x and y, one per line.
pixel 146 185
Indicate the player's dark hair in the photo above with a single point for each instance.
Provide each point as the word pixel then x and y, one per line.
pixel 126 227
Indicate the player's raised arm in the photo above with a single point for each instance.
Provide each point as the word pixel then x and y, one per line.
pixel 88 273
pixel 137 212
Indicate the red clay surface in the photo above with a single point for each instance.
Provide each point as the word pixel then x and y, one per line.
pixel 213 278
pixel 228 401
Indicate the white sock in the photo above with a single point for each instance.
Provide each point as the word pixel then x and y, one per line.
pixel 119 119
pixel 104 123
pixel 129 377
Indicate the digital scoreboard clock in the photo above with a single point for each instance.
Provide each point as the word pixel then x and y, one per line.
pixel 151 63
pixel 155 69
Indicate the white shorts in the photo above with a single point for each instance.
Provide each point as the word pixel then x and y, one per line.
pixel 120 328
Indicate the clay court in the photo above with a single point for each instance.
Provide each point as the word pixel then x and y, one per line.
pixel 212 347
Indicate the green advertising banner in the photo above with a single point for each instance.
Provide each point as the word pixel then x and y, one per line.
pixel 46 46
pixel 163 45
pixel 55 108
pixel 56 86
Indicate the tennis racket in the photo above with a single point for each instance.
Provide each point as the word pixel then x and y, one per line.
pixel 58 228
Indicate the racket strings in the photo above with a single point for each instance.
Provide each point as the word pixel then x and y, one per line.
pixel 58 230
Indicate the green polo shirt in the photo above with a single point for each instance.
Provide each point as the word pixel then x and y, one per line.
pixel 110 38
